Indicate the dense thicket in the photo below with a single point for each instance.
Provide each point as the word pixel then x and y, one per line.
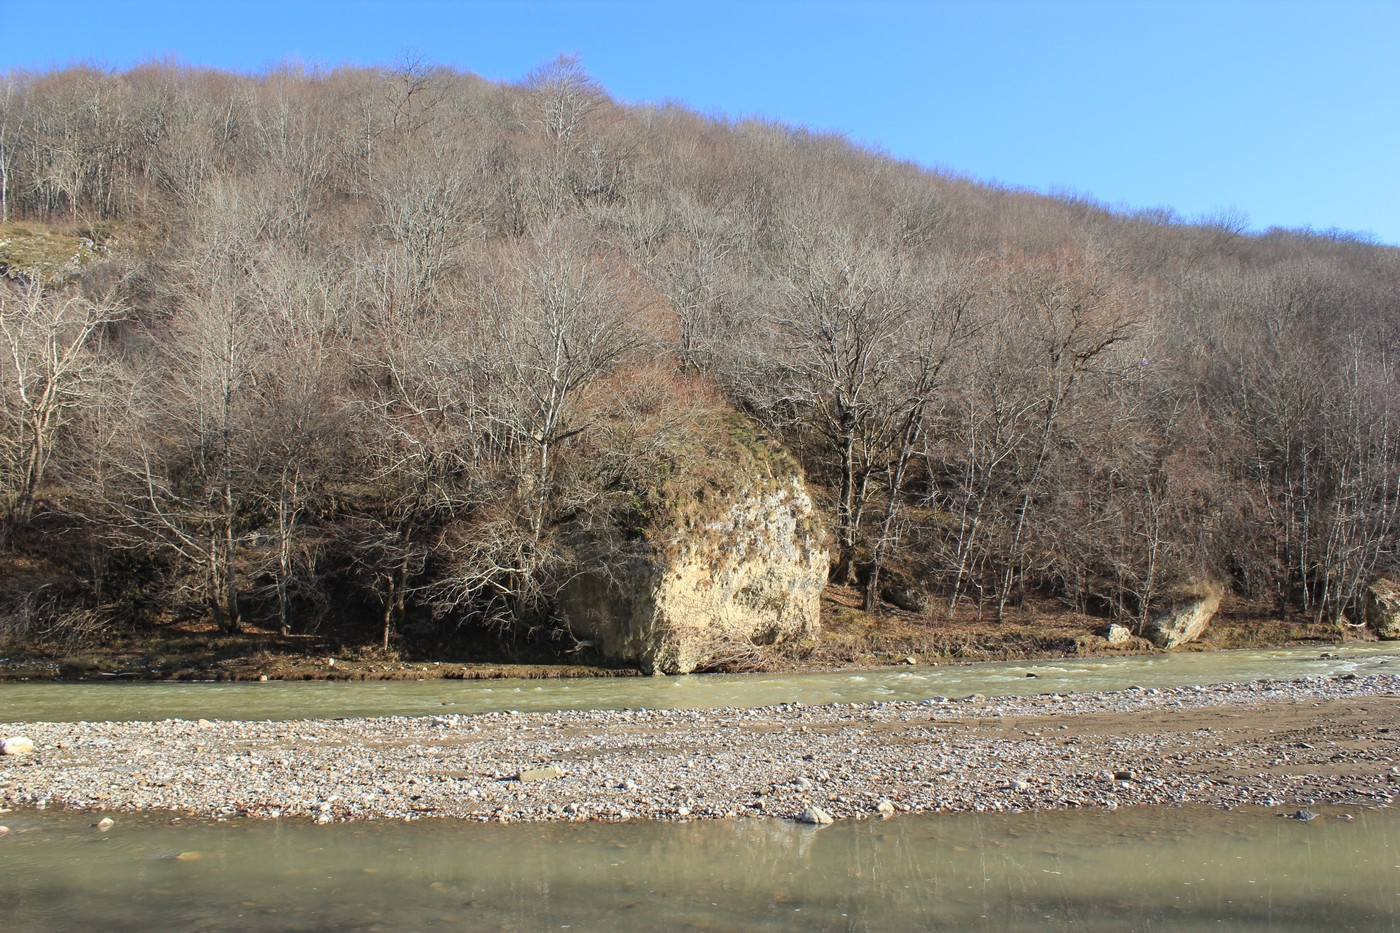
pixel 351 348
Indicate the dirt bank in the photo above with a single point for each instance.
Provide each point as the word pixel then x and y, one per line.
pixel 850 638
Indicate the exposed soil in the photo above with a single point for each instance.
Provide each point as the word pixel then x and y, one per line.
pixel 851 638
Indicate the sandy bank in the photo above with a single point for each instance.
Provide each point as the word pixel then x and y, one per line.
pixel 1287 744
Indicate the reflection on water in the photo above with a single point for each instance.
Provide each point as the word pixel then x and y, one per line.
pixel 1140 869
pixel 59 702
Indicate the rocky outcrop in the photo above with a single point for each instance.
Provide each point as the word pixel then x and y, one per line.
pixel 1381 608
pixel 730 555
pixel 1185 617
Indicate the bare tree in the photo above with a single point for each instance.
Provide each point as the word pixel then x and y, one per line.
pixel 7 111
pixel 297 420
pixel 1072 314
pixel 561 101
pixel 694 269
pixel 843 320
pixel 556 323
pixel 424 216
pixel 939 326
pixel 195 442
pixel 52 365
pixel 421 444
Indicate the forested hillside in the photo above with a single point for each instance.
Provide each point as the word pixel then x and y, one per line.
pixel 348 350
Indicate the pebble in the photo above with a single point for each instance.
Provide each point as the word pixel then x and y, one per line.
pixel 977 756
pixel 540 774
pixel 17 745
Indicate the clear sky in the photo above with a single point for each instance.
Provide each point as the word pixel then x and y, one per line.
pixel 1286 112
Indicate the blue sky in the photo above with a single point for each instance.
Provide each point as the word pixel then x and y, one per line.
pixel 1286 112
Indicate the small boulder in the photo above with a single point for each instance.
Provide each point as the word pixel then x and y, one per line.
pixel 548 773
pixel 815 816
pixel 17 745
pixel 885 808
pixel 1381 608
pixel 1118 635
pixel 908 598
pixel 104 824
pixel 1184 619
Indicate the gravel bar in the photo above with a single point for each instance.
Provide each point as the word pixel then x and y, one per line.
pixel 1299 743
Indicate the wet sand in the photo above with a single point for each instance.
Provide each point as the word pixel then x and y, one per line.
pixel 1291 745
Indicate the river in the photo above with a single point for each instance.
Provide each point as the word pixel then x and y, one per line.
pixel 1139 868
pixel 126 700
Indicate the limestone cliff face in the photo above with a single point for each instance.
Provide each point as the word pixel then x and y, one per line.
pixel 735 560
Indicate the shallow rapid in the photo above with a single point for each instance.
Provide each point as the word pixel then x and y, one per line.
pixel 127 701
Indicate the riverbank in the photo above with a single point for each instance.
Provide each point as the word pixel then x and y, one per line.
pixel 850 639
pixel 1292 745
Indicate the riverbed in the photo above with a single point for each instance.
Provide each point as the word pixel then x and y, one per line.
pixel 1271 743
pixel 1151 802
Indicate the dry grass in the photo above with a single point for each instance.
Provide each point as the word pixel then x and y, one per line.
pixel 43 250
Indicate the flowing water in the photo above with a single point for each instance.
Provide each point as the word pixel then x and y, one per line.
pixel 1146 869
pixel 1138 869
pixel 68 702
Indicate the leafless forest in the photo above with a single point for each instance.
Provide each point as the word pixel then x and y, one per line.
pixel 351 350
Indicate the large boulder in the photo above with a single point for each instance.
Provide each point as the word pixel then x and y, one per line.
pixel 1381 608
pixel 725 554
pixel 1185 616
